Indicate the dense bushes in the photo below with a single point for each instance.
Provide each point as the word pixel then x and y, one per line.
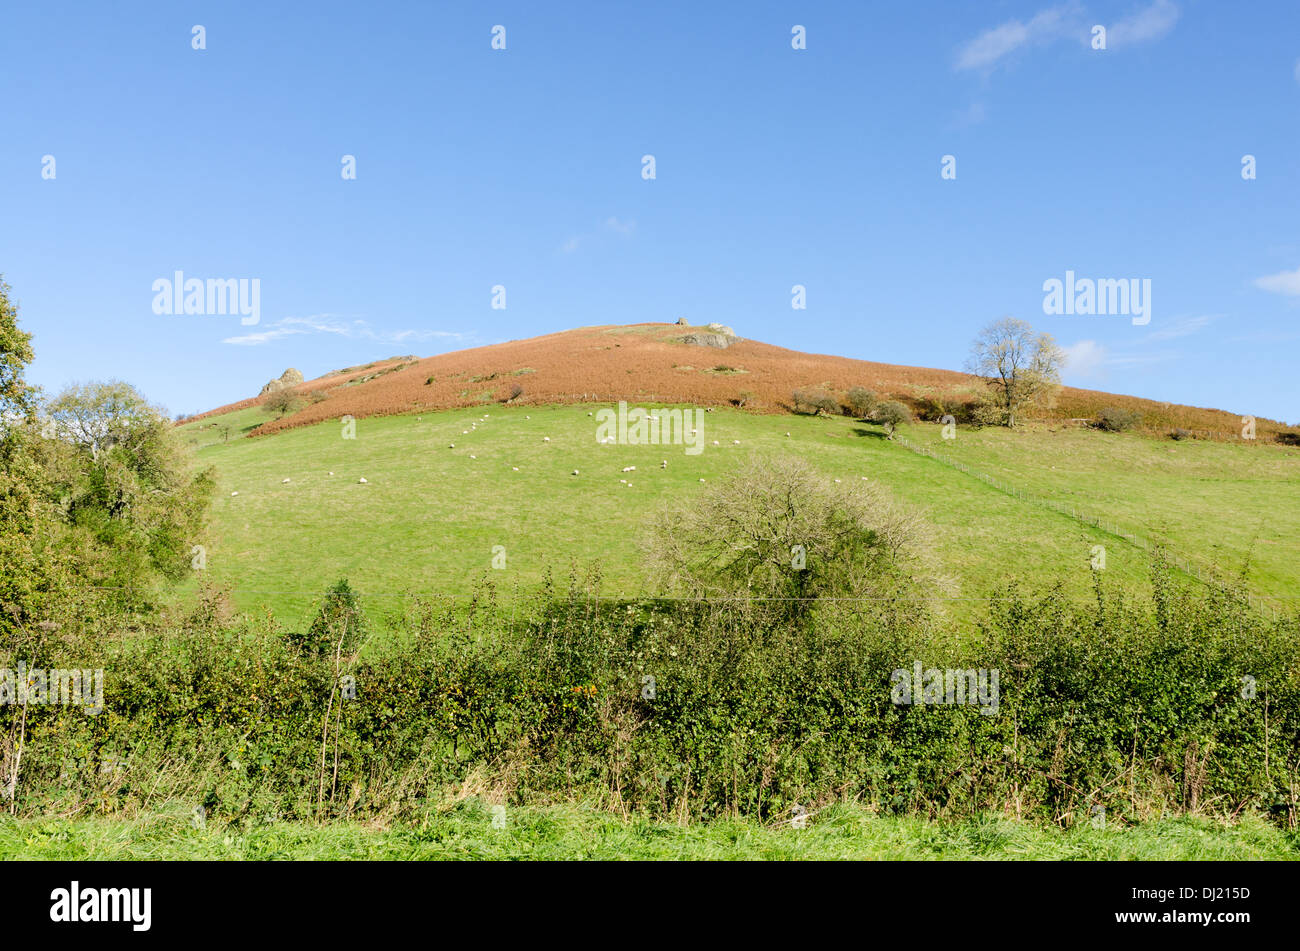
pixel 1115 419
pixel 687 709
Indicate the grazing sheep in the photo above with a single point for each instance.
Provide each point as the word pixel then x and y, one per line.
pixel 629 468
pixel 472 456
pixel 575 471
pixel 233 494
pixel 664 464
pixel 362 481
pixel 715 442
pixel 514 468
pixel 735 442
pixel 546 439
pixel 701 480
pixel 331 473
pixel 452 446
pixel 284 481
pixel 787 434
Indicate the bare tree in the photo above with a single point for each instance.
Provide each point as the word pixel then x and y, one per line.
pixel 1021 366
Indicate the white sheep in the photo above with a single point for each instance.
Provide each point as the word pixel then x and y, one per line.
pixel 575 471
pixel 664 464
pixel 629 468
pixel 362 481
pixel 546 439
pixel 284 481
pixel 233 494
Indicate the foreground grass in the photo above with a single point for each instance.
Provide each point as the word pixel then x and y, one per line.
pixel 568 833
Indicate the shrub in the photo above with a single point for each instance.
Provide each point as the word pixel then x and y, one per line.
pixel 1116 420
pixel 281 402
pixel 860 401
pixel 891 414
pixel 780 530
pixel 814 400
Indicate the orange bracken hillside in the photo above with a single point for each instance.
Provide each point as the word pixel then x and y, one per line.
pixel 650 363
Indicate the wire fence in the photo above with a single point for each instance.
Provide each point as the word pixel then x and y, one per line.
pixel 1202 573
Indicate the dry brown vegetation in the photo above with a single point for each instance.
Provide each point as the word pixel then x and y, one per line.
pixel 647 363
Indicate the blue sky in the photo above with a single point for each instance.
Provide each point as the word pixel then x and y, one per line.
pixel 523 167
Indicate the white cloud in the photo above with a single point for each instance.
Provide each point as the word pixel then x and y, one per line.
pixel 992 45
pixel 1085 359
pixel 329 324
pixel 1283 282
pixel 622 227
pixel 1150 23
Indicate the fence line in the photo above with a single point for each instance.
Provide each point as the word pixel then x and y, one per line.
pixel 1265 605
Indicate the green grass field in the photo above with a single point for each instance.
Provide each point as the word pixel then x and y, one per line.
pixel 467 832
pixel 429 516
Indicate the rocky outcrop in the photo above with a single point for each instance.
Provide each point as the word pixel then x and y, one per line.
pixel 289 377
pixel 717 336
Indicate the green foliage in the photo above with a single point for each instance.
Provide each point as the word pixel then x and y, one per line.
pixel 860 401
pixel 814 400
pixel 892 414
pixel 338 628
pixel 684 709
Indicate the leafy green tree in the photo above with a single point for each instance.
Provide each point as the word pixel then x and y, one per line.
pixel 891 415
pixel 861 401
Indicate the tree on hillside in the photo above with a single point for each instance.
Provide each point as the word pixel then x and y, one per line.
pixel 281 401
pixel 782 531
pixel 1021 367
pixel 814 400
pixel 891 415
pixel 861 401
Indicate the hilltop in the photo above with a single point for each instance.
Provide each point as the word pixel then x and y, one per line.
pixel 672 363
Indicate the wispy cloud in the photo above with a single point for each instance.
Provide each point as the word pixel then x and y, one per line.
pixel 1283 282
pixel 1183 327
pixel 330 324
pixel 611 225
pixel 1090 361
pixel 1149 23
pixel 986 50
pixel 995 45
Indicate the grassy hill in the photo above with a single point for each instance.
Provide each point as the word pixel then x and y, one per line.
pixel 429 516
